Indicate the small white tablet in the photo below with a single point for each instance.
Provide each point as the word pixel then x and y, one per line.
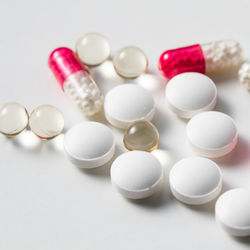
pixel 195 180
pixel 89 144
pixel 136 174
pixel 128 103
pixel 232 211
pixel 191 93
pixel 212 134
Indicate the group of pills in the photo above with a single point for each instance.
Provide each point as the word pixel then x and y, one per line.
pixel 190 95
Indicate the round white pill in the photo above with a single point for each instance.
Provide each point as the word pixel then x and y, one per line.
pixel 89 144
pixel 191 93
pixel 195 180
pixel 136 174
pixel 93 49
pixel 232 211
pixel 212 134
pixel 128 103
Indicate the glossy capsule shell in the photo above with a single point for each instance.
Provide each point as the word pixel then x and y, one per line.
pixel 206 58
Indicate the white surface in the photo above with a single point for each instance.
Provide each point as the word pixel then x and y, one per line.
pixel 212 134
pixel 136 174
pixel 191 93
pixel 233 211
pixel 46 203
pixel 195 180
pixel 128 103
pixel 89 144
pixel 93 49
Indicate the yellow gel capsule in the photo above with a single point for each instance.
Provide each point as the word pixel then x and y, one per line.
pixel 141 135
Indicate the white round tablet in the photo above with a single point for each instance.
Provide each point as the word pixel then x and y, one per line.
pixel 232 211
pixel 191 93
pixel 212 134
pixel 93 49
pixel 136 174
pixel 89 144
pixel 195 180
pixel 128 103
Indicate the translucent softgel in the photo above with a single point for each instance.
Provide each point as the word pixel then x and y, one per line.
pixel 13 119
pixel 46 122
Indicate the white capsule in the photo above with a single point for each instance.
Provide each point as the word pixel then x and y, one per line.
pixel 212 134
pixel 191 93
pixel 232 211
pixel 244 75
pixel 195 180
pixel 128 103
pixel 136 174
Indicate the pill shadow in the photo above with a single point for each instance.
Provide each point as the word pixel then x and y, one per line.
pixel 223 106
pixel 224 76
pixel 102 171
pixel 208 208
pixel 240 155
pixel 242 240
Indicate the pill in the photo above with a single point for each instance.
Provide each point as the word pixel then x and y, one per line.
pixel 130 62
pixel 195 180
pixel 208 58
pixel 46 121
pixel 232 211
pixel 93 49
pixel 212 134
pixel 76 80
pixel 136 174
pixel 244 75
pixel 128 103
pixel 89 144
pixel 141 135
pixel 14 119
pixel 191 93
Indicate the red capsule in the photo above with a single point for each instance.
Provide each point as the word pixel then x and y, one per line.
pixel 187 59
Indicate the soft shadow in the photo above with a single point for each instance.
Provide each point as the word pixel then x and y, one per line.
pixel 102 171
pixel 222 106
pixel 222 77
pixel 160 120
pixel 242 240
pixel 240 155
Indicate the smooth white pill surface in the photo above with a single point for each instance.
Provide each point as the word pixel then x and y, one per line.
pixel 191 93
pixel 232 211
pixel 195 180
pixel 136 174
pixel 93 49
pixel 212 134
pixel 128 103
pixel 89 144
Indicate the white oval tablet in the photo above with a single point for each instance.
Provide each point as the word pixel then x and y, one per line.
pixel 232 211
pixel 89 144
pixel 93 49
pixel 128 103
pixel 191 93
pixel 212 134
pixel 136 174
pixel 195 180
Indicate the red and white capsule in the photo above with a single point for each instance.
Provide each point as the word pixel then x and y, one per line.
pixel 206 58
pixel 75 80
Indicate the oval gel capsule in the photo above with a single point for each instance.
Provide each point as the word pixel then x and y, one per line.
pixel 75 80
pixel 207 58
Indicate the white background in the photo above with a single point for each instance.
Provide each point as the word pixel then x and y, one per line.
pixel 45 202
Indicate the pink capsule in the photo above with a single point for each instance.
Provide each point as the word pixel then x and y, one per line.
pixel 75 80
pixel 207 58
